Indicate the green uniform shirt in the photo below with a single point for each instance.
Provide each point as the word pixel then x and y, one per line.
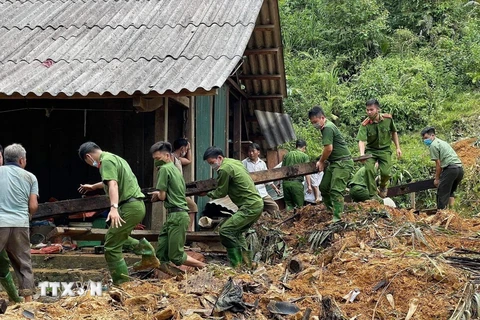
pixel 378 135
pixel 171 181
pixel 441 150
pixel 295 157
pixel 331 135
pixel 112 167
pixel 235 181
pixel 359 178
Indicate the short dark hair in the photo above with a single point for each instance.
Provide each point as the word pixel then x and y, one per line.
pixel 316 111
pixel 372 102
pixel 300 143
pixel 212 152
pixel 162 146
pixel 1 149
pixel 429 130
pixel 87 147
pixel 181 142
pixel 254 146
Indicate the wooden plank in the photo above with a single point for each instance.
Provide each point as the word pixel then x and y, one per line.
pixel 261 51
pixel 266 97
pixel 237 130
pixel 65 207
pixel 150 235
pixel 260 76
pixel 410 187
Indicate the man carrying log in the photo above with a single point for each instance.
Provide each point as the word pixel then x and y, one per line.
pixel 374 137
pixel 233 180
pixel 18 203
pixel 171 186
pixel 293 192
pixel 339 159
pixel 127 210
pixel 448 167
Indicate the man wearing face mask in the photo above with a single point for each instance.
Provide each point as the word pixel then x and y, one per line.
pixel 375 137
pixel 126 211
pixel 340 163
pixel 448 167
pixel 171 186
pixel 234 180
pixel 183 157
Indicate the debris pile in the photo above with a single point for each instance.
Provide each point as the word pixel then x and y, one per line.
pixel 379 263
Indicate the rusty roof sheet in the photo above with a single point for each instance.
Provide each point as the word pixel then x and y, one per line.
pixel 81 47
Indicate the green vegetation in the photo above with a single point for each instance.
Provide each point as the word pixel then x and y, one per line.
pixel 420 59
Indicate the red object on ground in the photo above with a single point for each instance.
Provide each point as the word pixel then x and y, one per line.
pixel 54 248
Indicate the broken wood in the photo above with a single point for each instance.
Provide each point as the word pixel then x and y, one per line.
pixel 330 310
pixel 150 235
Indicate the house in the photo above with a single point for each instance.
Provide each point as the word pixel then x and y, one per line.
pixel 128 73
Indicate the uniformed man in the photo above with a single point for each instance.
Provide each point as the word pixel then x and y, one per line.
pixel 18 203
pixel 171 186
pixel 358 186
pixel 127 210
pixel 183 157
pixel 234 180
pixel 374 137
pixel 293 192
pixel 448 167
pixel 253 163
pixel 340 163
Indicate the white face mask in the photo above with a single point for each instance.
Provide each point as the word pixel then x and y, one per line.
pixel 215 166
pixel 95 163
pixel 317 125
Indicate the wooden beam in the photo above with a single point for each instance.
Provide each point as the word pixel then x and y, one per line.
pixel 261 51
pixel 237 129
pixel 260 76
pixel 237 88
pixel 150 235
pixel 410 187
pixel 184 101
pixel 66 207
pixel 266 97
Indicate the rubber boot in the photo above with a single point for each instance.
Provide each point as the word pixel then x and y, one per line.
pixel 234 256
pixel 337 212
pixel 149 260
pixel 119 271
pixel 247 258
pixel 9 286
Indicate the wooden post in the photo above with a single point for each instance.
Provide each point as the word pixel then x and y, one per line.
pixel 237 130
pixel 189 171
pixel 412 200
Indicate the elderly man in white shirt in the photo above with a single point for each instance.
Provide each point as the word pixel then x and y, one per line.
pixel 253 164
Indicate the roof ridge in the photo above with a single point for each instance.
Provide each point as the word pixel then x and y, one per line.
pixel 127 26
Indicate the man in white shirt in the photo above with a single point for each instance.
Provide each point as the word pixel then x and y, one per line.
pixel 18 203
pixel 253 164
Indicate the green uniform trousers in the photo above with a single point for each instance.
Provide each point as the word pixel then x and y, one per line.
pixel 293 194
pixel 384 158
pixel 334 183
pixel 359 193
pixel 133 213
pixel 4 264
pixel 172 238
pixel 233 229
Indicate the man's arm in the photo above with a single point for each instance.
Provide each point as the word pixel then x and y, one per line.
pixel 327 151
pixel 438 171
pixel 223 182
pixel 188 157
pixel 32 204
pixel 84 188
pixel 361 147
pixel 113 215
pixel 397 144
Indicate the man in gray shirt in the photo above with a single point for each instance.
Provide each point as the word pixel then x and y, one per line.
pixel 18 202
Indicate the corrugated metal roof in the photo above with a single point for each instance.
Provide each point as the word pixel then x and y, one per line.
pixel 74 46
pixel 276 127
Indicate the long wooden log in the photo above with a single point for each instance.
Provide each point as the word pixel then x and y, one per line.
pixel 66 207
pixel 151 235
